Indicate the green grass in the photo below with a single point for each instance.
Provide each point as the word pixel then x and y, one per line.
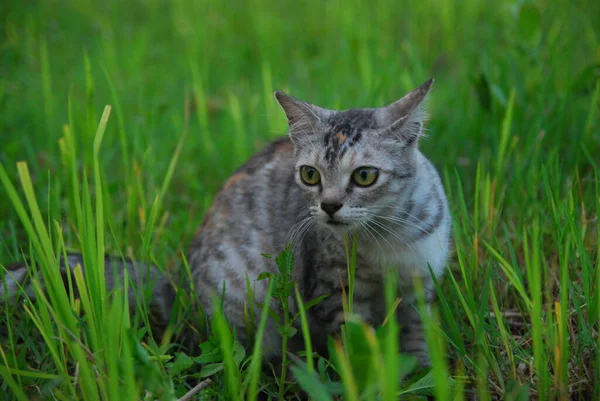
pixel 514 131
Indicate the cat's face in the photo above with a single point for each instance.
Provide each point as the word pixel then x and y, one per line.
pixel 348 176
pixel 354 165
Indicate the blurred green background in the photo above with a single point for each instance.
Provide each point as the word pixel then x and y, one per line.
pixel 145 57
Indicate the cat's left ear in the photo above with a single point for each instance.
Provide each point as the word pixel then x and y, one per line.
pixel 403 120
pixel 303 118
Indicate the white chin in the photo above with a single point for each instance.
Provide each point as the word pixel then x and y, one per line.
pixel 337 226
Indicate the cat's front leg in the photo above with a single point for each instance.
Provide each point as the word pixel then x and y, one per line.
pixel 412 334
pixel 330 317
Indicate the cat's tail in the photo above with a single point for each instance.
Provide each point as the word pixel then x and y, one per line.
pixel 16 282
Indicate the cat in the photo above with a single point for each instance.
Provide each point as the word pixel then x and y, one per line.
pixel 357 172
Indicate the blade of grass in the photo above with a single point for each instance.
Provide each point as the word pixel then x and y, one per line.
pixel 99 215
pixel 345 370
pixel 305 331
pixel 435 343
pixel 223 333
pixel 534 276
pixel 255 364
pixel 508 347
pixel 505 134
pixel 389 383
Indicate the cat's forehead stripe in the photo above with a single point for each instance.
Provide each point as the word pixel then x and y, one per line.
pixel 345 131
pixel 359 118
pixel 338 140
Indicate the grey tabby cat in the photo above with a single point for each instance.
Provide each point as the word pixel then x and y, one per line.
pixel 356 171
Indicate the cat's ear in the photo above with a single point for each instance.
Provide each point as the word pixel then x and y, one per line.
pixel 404 118
pixel 303 118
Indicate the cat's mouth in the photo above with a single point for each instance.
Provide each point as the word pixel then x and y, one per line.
pixel 336 223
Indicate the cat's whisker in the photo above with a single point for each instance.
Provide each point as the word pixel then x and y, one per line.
pixel 378 232
pixel 365 226
pixel 393 234
pixel 289 196
pixel 390 231
pixel 307 227
pixel 329 235
pixel 400 221
pixel 412 216
pixel 301 230
pixel 298 227
pixel 403 211
pixel 309 222
pixel 404 223
pixel 403 220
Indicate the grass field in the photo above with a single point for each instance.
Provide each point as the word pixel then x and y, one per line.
pixel 514 130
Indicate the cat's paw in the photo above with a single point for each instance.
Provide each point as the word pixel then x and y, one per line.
pixel 420 352
pixel 423 359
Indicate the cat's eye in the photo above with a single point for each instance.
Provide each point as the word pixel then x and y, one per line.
pixel 310 175
pixel 365 176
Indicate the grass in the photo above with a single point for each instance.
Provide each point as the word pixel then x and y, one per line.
pixel 514 131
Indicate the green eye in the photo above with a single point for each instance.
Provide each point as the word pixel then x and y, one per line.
pixel 310 175
pixel 365 176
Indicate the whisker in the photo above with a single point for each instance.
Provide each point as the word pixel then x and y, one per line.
pixel 364 226
pixel 298 227
pixel 382 236
pixel 307 227
pixel 393 233
pixel 370 230
pixel 400 221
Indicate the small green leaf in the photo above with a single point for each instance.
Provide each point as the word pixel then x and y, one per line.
pixel 311 384
pixel 516 391
pixel 238 353
pixel 406 364
pixel 264 275
pixel 424 386
pixel 285 262
pixel 315 301
pixel 209 355
pixel 334 388
pixel 322 368
pixel 181 363
pixel 359 352
pixel 139 352
pixel 210 369
pixel 288 332
pixel 291 331
pixel 275 316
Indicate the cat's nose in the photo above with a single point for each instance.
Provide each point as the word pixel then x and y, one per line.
pixel 331 208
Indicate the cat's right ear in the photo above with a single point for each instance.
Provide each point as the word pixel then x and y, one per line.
pixel 404 119
pixel 303 118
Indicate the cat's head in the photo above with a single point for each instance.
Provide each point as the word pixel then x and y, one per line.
pixel 353 165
